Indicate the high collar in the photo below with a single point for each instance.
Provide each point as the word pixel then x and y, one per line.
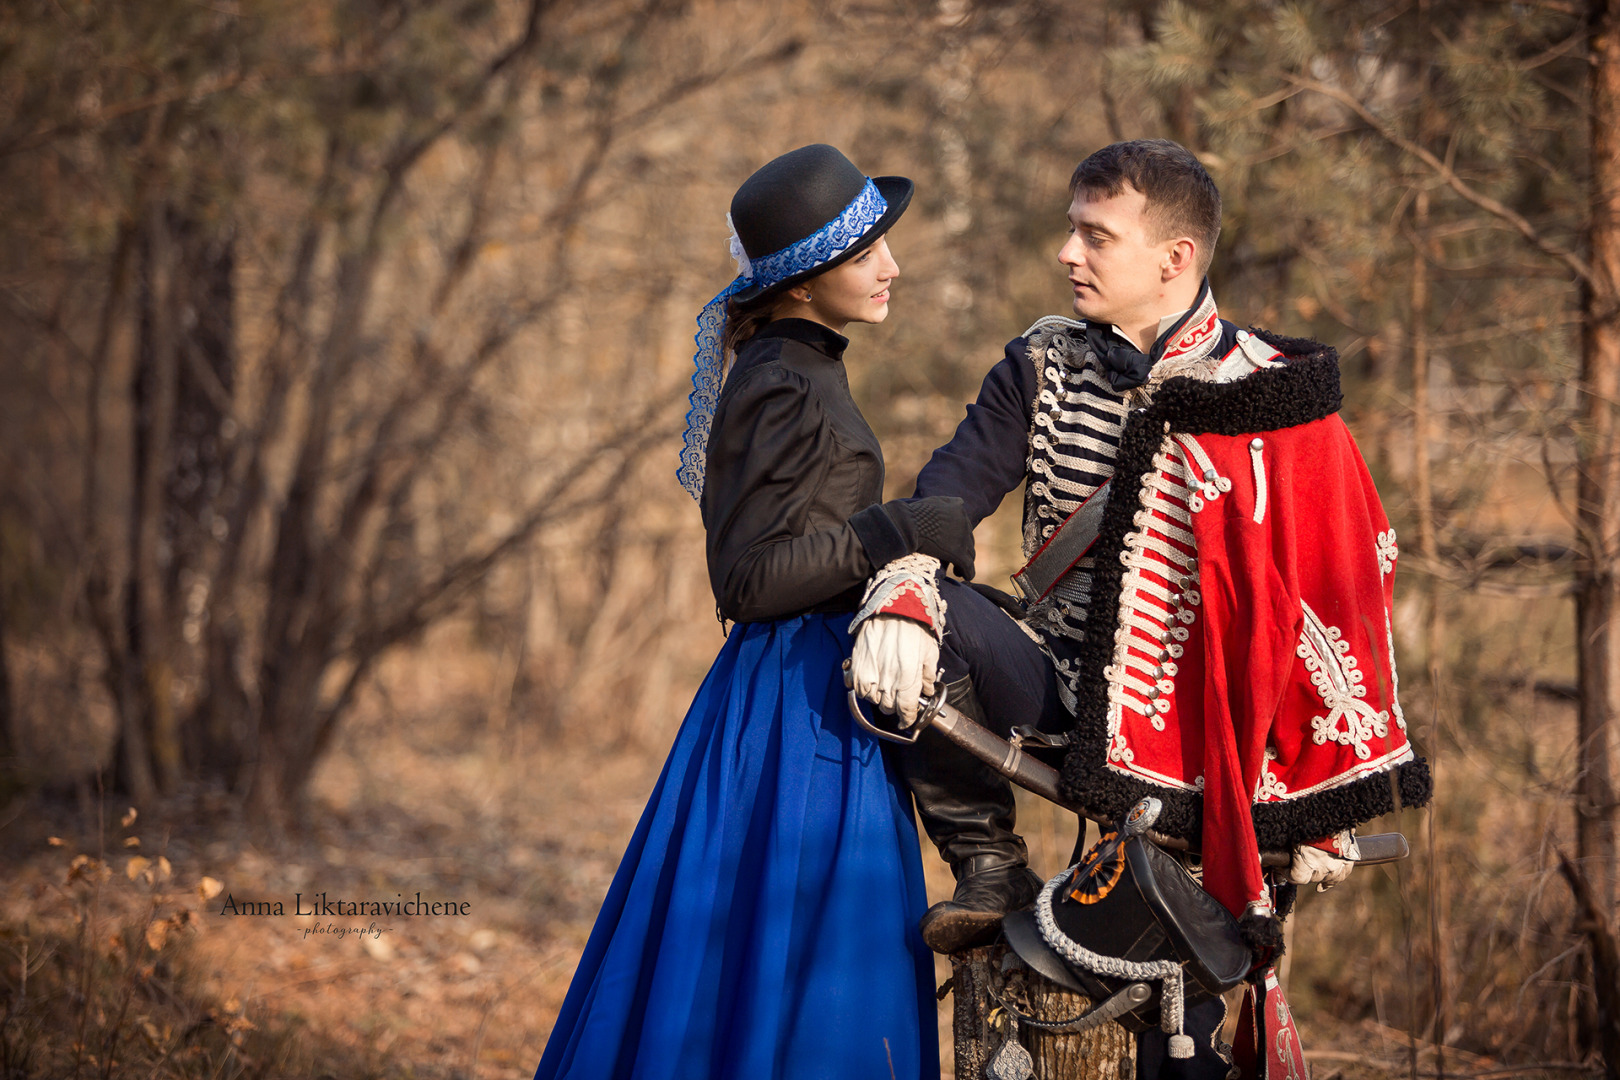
pixel 1166 323
pixel 818 337
pixel 1185 335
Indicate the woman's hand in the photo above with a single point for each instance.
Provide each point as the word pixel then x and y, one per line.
pixel 894 664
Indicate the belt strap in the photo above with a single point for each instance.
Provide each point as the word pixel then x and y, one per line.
pixel 1066 547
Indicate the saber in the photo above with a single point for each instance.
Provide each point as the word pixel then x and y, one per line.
pixel 1008 758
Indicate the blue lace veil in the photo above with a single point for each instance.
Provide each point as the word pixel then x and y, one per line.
pixel 830 240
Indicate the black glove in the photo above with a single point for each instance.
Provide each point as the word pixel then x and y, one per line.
pixel 937 526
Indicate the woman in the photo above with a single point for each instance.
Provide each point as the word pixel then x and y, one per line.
pixel 762 923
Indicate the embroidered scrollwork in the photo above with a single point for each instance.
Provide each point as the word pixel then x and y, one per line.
pixel 1269 788
pixel 1388 552
pixel 1350 721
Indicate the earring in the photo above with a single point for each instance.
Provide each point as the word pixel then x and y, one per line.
pixel 807 298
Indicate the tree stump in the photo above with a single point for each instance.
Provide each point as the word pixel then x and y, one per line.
pixel 981 1026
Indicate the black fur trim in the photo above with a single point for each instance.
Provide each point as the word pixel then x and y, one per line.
pixel 1303 390
pixel 1282 826
pixel 1263 934
pixel 1283 897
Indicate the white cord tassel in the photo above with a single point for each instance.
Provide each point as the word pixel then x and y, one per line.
pixel 1259 480
pixel 1170 1004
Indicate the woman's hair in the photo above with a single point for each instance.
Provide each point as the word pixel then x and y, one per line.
pixel 744 319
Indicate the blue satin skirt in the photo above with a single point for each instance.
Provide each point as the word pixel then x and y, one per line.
pixel 763 921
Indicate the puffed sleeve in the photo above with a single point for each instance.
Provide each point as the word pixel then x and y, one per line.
pixel 769 451
pixel 986 458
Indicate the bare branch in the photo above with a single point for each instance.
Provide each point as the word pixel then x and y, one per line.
pixel 1553 250
pixel 406 157
pixel 167 96
pixel 630 441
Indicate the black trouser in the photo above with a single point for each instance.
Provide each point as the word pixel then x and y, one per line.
pixel 967 807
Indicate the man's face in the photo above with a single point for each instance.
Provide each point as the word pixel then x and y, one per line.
pixel 1116 267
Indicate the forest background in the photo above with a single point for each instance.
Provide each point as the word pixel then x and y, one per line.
pixel 346 351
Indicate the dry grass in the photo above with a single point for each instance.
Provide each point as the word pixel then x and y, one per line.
pixel 140 975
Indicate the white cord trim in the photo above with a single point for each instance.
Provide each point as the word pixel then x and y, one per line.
pixel 1340 683
pixel 917 570
pixel 1163 613
pixel 1179 557
pixel 1157 593
pixel 1171 486
pixel 1154 631
pixel 1394 679
pixel 1167 971
pixel 1169 593
pixel 1205 467
pixel 1255 447
pixel 1126 677
pixel 1149 665
pixel 1162 527
pixel 1147 643
pixel 1388 552
pixel 1168 505
pixel 1136 705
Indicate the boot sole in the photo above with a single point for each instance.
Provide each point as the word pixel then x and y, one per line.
pixel 954 931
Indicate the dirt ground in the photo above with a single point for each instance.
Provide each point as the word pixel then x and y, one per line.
pixel 429 799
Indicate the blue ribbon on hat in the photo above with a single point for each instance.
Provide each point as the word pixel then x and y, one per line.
pixel 827 242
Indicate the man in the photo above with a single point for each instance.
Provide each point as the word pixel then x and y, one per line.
pixel 1222 643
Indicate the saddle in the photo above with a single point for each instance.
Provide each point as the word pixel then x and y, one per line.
pixel 1131 929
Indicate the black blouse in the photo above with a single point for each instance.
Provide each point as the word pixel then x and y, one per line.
pixel 790 458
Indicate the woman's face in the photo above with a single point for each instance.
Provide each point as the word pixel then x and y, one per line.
pixel 853 291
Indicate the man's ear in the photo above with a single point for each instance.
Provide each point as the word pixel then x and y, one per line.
pixel 1181 257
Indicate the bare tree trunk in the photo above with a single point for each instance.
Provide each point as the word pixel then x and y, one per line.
pixel 8 748
pixel 205 307
pixel 952 90
pixel 1598 509
pixel 1434 632
pixel 1423 251
pixel 290 698
pixel 1593 919
pixel 151 533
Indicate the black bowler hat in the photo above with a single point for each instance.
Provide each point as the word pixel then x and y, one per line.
pixel 807 211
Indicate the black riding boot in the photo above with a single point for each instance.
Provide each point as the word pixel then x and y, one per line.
pixel 967 809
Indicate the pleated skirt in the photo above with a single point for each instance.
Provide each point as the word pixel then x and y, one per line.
pixel 763 921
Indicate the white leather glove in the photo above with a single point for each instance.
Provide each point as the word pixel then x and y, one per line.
pixel 894 664
pixel 1313 866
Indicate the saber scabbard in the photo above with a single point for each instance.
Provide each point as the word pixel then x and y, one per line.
pixel 1008 758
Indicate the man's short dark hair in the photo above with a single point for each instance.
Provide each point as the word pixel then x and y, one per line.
pixel 1182 200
